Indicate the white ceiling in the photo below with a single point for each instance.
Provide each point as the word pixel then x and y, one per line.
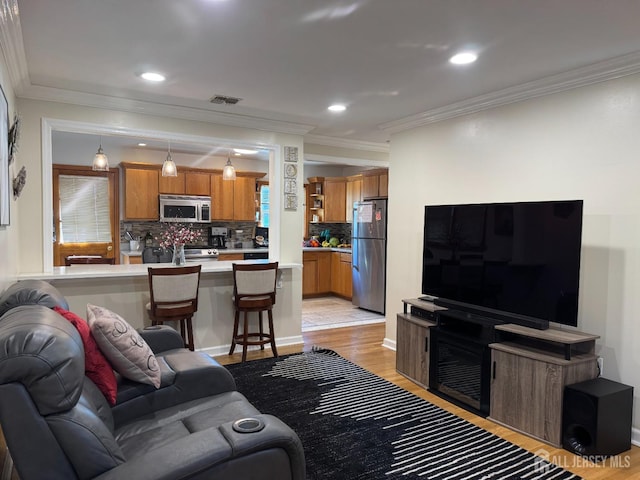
pixel 290 59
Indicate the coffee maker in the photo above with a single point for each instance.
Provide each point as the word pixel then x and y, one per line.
pixel 217 237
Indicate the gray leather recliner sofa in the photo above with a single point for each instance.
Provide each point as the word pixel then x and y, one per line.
pixel 58 425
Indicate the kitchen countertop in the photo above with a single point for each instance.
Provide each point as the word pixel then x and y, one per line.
pixel 137 270
pixel 326 249
pixel 254 250
pixel 138 253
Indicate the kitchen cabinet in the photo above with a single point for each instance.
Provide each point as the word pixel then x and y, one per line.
pixel 221 198
pixel 244 202
pixel 354 194
pixel 233 199
pixel 141 192
pixel 341 281
pixel 335 198
pixel 375 183
pixel 198 183
pixel 172 185
pixel 316 273
pixel 226 257
pixel 315 201
pixel 130 259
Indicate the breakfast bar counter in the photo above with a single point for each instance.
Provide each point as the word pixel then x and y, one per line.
pixel 124 289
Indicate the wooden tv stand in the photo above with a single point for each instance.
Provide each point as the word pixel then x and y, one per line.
pixel 529 368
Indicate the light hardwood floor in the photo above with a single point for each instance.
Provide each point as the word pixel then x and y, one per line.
pixel 363 345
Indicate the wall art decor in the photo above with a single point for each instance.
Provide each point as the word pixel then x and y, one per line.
pixel 19 182
pixel 291 154
pixel 14 136
pixel 5 184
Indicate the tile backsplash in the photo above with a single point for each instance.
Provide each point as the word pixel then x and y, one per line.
pixel 140 229
pixel 342 231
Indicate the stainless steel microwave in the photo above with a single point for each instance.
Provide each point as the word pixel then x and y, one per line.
pixel 185 209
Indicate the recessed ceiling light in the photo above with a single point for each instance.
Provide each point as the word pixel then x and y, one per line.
pixel 463 58
pixel 241 151
pixel 338 107
pixel 153 76
pixel 142 144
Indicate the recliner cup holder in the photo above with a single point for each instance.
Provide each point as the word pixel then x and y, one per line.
pixel 248 425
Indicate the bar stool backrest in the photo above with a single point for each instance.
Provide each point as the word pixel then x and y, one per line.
pixel 255 280
pixel 174 290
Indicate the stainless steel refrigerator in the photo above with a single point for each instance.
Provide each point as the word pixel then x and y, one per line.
pixel 369 254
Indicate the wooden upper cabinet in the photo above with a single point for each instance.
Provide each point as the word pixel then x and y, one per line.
pixel 370 186
pixel 141 193
pixel 383 185
pixel 198 183
pixel 244 198
pixel 335 198
pixel 233 199
pixel 221 198
pixel 354 194
pixel 375 184
pixel 172 185
pixel 230 199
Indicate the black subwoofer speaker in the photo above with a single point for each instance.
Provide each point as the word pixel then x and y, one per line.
pixel 596 417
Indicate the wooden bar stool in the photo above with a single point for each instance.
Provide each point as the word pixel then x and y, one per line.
pixel 174 297
pixel 254 290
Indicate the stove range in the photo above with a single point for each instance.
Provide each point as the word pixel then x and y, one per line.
pixel 200 253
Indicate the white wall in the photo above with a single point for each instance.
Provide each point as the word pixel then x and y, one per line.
pixel 9 238
pixel 580 144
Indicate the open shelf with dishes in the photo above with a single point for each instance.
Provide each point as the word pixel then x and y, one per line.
pixel 316 202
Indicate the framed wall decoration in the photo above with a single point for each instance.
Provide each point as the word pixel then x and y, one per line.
pixel 291 154
pixel 5 185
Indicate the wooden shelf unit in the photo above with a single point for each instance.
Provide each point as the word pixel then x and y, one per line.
pixel 529 368
pixel 413 340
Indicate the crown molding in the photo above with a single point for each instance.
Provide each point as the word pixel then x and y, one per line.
pixel 354 162
pixel 346 143
pixel 36 92
pixel 598 72
pixel 12 46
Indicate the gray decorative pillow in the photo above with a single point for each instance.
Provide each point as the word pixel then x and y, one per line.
pixel 125 349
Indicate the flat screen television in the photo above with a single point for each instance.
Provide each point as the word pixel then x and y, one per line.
pixel 518 262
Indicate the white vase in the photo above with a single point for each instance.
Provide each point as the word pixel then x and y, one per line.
pixel 178 255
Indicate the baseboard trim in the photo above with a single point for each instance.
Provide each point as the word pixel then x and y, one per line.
pixel 635 437
pixel 224 349
pixel 390 344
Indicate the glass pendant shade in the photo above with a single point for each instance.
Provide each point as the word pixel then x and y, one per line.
pixel 228 172
pixel 100 161
pixel 169 167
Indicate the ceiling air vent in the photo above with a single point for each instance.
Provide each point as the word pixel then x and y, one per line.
pixel 224 100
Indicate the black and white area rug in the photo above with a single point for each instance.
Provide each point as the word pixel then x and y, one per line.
pixel 355 425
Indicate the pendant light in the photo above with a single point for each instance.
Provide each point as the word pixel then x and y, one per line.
pixel 100 160
pixel 169 167
pixel 228 172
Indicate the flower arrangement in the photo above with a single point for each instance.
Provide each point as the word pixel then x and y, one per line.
pixel 177 234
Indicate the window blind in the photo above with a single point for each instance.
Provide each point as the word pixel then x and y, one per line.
pixel 84 209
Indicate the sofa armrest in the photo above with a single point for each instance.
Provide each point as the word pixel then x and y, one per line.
pixel 276 434
pixel 212 453
pixel 161 338
pixel 195 375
